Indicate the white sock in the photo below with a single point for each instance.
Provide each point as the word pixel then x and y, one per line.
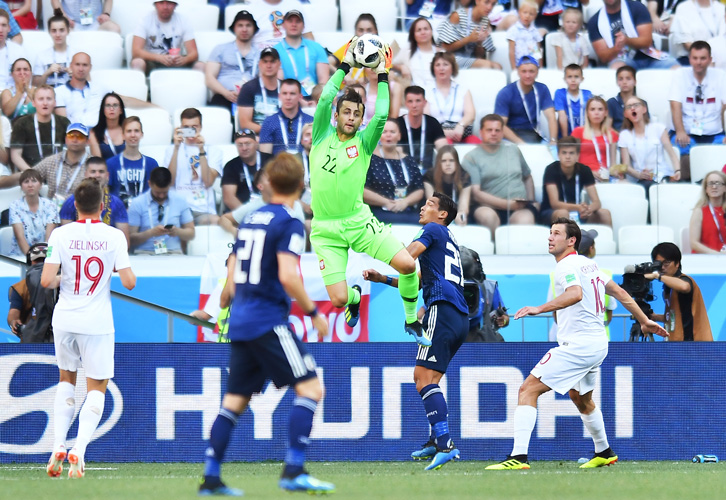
pixel 524 419
pixel 596 426
pixel 89 418
pixel 63 409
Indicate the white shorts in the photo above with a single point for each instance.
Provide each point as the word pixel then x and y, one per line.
pixel 93 352
pixel 562 369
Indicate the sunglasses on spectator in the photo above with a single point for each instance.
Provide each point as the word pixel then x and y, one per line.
pixel 75 135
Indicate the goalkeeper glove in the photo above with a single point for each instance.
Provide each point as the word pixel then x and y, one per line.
pixel 348 58
pixel 385 60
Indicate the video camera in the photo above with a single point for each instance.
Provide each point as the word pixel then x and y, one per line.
pixel 641 289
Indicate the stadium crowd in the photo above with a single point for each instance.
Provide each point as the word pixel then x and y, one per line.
pixel 526 152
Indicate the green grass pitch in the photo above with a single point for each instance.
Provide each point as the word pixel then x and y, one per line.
pixel 556 480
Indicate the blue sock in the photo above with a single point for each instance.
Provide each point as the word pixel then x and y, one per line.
pixel 300 425
pixel 218 441
pixel 437 413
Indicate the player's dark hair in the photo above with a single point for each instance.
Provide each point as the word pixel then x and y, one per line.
pixel 59 19
pixel 291 81
pixel 491 117
pixel 96 160
pixel 132 119
pixel 573 67
pixel 700 45
pixel 568 142
pixel 160 177
pixel 571 229
pixel 416 90
pixel 88 196
pixel 449 58
pixel 285 173
pixel 667 250
pixel 30 174
pixel 446 204
pixel 190 114
pixel 350 95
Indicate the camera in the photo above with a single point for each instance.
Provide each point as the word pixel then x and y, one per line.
pixel 188 132
pixel 641 289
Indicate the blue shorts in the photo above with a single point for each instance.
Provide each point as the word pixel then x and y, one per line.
pixel 277 355
pixel 695 139
pixel 447 327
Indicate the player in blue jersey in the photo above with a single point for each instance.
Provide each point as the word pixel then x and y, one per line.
pixel 262 276
pixel 446 320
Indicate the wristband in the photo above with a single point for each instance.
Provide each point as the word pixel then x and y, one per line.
pixel 389 281
pixel 203 154
pixel 314 312
pixel 106 14
pixel 345 67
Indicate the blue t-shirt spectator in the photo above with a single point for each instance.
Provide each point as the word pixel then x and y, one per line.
pixel 575 109
pixel 509 104
pixel 144 213
pixel 301 63
pixel 113 212
pixel 284 133
pixel 127 179
pixel 14 27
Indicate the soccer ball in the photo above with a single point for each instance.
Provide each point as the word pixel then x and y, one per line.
pixel 366 50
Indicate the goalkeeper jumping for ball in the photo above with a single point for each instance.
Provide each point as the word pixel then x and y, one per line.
pixel 339 161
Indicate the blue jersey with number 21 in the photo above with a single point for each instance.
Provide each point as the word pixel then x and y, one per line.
pixel 441 276
pixel 260 302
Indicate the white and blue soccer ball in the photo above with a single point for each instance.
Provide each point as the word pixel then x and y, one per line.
pixel 366 51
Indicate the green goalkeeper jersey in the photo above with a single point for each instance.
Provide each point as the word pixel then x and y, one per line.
pixel 338 169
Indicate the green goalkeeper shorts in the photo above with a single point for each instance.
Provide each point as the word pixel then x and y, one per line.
pixel 361 232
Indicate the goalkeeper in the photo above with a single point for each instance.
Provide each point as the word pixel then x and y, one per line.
pixel 339 161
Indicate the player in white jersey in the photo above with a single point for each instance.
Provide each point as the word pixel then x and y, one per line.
pixel 573 365
pixel 87 252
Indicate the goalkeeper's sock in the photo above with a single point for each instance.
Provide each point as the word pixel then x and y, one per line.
pixel 299 426
pixel 218 441
pixel 353 296
pixel 525 417
pixel 437 412
pixel 408 288
pixel 596 427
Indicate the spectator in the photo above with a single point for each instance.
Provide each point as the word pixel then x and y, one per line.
pixel 32 217
pixel 52 64
pixel 113 213
pixel 449 177
pixel 306 60
pixel 625 78
pixel 570 101
pixel 564 181
pixel 21 11
pixel 194 166
pixel 571 45
pixel 270 18
pixel 259 98
pixel 524 39
pixel 621 34
pixel 107 137
pixel 5 135
pixel 237 178
pixel 523 105
pixel 449 102
pixel 9 50
pixel 370 85
pixel 501 181
pixel 13 32
pixel 87 15
pixel 159 220
pixel 282 131
pixel 306 141
pixel 708 227
pixel 597 139
pixel 698 101
pixel 365 24
pixel 645 148
pixel 418 128
pixel 414 61
pixel 38 135
pixel 129 171
pixel 685 316
pixel 661 13
pixel 160 39
pixel 17 100
pixel 467 33
pixel 696 20
pixel 394 186
pixel 436 11
pixel 233 64
pixel 31 305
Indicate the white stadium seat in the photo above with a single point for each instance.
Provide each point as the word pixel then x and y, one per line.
pixel 685 240
pixel 331 40
pixel 9 195
pixel 209 239
pixel 207 40
pixel 203 16
pixel 605 241
pixel 156 123
pixel 172 87
pixel 229 151
pixel 501 55
pixel 521 239
pixel 672 204
pixel 640 239
pixel 477 238
pixel 35 41
pixel 484 85
pixel 125 82
pixel 464 149
pixel 654 85
pixel 405 232
pixel 129 13
pixel 155 151
pixel 625 210
pixel 104 47
pixel 325 18
pixel 537 156
pixel 216 124
pixel 6 240
pixel 620 189
pixel 705 159
pixel 600 81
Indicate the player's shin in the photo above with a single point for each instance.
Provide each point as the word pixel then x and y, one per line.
pixel 596 427
pixel 300 425
pixel 218 441
pixel 437 413
pixel 408 288
pixel 63 409
pixel 89 418
pixel 524 419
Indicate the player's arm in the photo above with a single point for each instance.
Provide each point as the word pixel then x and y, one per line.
pixel 647 325
pixel 128 278
pixel 225 298
pixel 291 281
pixel 572 295
pixel 372 133
pixel 50 278
pixel 321 118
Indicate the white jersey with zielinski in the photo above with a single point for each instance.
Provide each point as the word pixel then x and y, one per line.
pixel 88 253
pixel 582 324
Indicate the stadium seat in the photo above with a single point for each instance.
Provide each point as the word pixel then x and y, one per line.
pixel 537 156
pixel 605 241
pixel 331 40
pixel 156 123
pixel 501 55
pixel 600 81
pixel 155 151
pixel 620 189
pixel 685 240
pixel 203 16
pixel 172 87
pixel 654 85
pixel 34 41
pixel 126 82
pixel 672 204
pixel 6 241
pixel 705 159
pixel 207 40
pixel 640 239
pixel 9 195
pixel 521 239
pixel 400 37
pixel 484 85
pixel 625 210
pixel 325 18
pixel 384 11
pixel 553 78
pixel 104 47
pixel 209 239
pixel 405 232
pixel 128 14
pixel 216 124
pixel 464 149
pixel 477 238
pixel 229 152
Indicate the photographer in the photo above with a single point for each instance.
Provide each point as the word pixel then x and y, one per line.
pixel 685 315
pixel 487 312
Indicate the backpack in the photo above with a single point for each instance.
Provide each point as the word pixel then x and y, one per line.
pixel 38 328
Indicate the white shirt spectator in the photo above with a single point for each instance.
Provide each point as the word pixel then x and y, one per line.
pixel 199 198
pixel 45 58
pixel 693 22
pixel 704 110
pixel 6 133
pixel 269 18
pixel 419 65
pixel 525 41
pixel 572 52
pixel 646 153
pixel 160 37
pixel 8 55
pixel 81 105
